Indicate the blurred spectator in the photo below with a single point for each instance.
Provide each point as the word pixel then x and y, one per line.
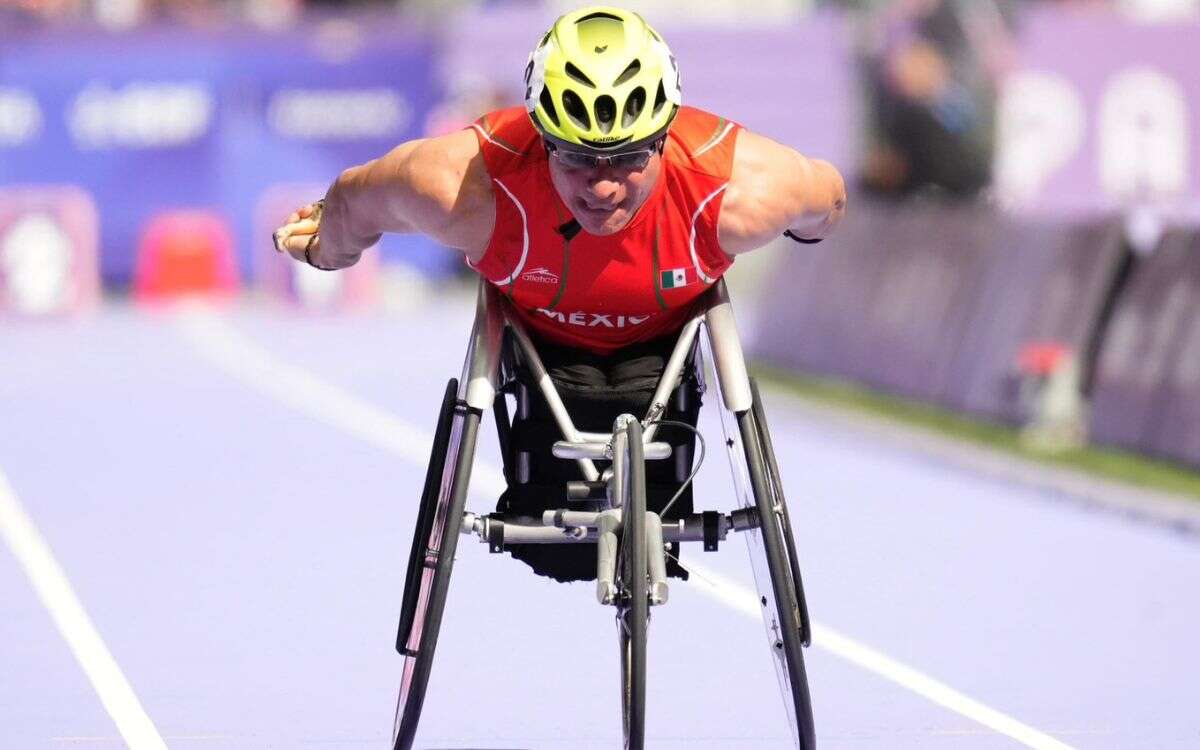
pixel 931 70
pixel 18 13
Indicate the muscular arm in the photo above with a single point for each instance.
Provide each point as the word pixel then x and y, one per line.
pixel 435 186
pixel 774 188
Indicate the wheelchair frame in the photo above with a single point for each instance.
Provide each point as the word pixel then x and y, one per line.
pixel 630 540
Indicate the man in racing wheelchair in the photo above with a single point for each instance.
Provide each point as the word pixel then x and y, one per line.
pixel 602 211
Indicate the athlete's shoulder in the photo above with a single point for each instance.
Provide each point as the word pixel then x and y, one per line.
pixel 508 139
pixel 703 141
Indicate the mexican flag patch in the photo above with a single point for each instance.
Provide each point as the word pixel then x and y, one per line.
pixel 674 278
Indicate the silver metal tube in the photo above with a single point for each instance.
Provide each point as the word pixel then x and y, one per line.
pixel 474 524
pixel 546 385
pixel 605 451
pixel 617 451
pixel 523 411
pixel 670 377
pixel 564 518
pixel 606 556
pixel 529 531
pixel 596 437
pixel 520 534
pixel 726 348
pixel 656 556
pixel 481 368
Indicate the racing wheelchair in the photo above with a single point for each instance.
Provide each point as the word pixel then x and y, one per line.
pixel 607 509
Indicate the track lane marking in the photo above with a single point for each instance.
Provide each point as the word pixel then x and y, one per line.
pixel 229 349
pixel 50 583
pixel 300 390
pixel 739 598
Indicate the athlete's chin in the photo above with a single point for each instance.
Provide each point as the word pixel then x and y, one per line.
pixel 602 223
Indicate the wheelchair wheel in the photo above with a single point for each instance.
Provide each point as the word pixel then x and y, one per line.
pixel 788 622
pixel 633 613
pixel 435 539
pixel 772 467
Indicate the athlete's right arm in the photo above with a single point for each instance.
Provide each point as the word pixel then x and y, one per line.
pixel 436 186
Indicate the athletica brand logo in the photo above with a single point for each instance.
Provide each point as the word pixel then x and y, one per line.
pixel 540 275
pixel 594 320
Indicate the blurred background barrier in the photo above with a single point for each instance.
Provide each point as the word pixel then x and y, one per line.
pixel 49 237
pixel 936 302
pixel 1012 167
pixel 1147 388
pixel 185 253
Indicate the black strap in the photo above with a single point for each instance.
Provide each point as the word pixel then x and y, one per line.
pixel 788 233
pixel 318 212
pixel 569 230
pixel 711 520
pixel 308 258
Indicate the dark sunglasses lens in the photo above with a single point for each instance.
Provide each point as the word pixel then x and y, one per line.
pixel 576 159
pixel 631 160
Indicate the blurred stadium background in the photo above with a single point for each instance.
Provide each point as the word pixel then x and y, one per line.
pixel 1025 175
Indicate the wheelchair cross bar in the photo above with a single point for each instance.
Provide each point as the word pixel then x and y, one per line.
pixel 604 451
pixel 572 526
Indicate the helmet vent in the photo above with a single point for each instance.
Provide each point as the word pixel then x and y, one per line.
pixel 576 109
pixel 548 105
pixel 594 16
pixel 578 76
pixel 659 99
pixel 606 113
pixel 633 107
pixel 628 73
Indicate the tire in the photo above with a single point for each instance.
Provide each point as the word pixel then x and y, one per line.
pixel 776 482
pixel 788 648
pixel 632 616
pixel 432 559
pixel 426 513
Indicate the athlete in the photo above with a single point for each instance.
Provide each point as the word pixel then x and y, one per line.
pixel 603 209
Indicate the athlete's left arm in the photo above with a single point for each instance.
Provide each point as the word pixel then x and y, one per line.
pixel 773 189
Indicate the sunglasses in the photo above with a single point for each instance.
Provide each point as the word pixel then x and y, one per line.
pixel 630 160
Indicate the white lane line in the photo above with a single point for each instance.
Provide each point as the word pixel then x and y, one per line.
pixel 741 599
pixel 222 344
pixel 54 590
pixel 297 388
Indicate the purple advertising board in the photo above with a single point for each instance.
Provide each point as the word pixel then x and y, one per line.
pixel 1098 113
pixel 164 119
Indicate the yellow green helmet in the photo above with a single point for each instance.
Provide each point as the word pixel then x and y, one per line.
pixel 603 79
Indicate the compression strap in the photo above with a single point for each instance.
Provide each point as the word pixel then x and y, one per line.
pixel 788 233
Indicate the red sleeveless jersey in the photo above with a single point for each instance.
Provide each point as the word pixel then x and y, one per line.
pixel 603 293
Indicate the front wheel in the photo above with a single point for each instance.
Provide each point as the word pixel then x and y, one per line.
pixel 633 612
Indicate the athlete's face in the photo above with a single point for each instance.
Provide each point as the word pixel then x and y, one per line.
pixel 605 196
